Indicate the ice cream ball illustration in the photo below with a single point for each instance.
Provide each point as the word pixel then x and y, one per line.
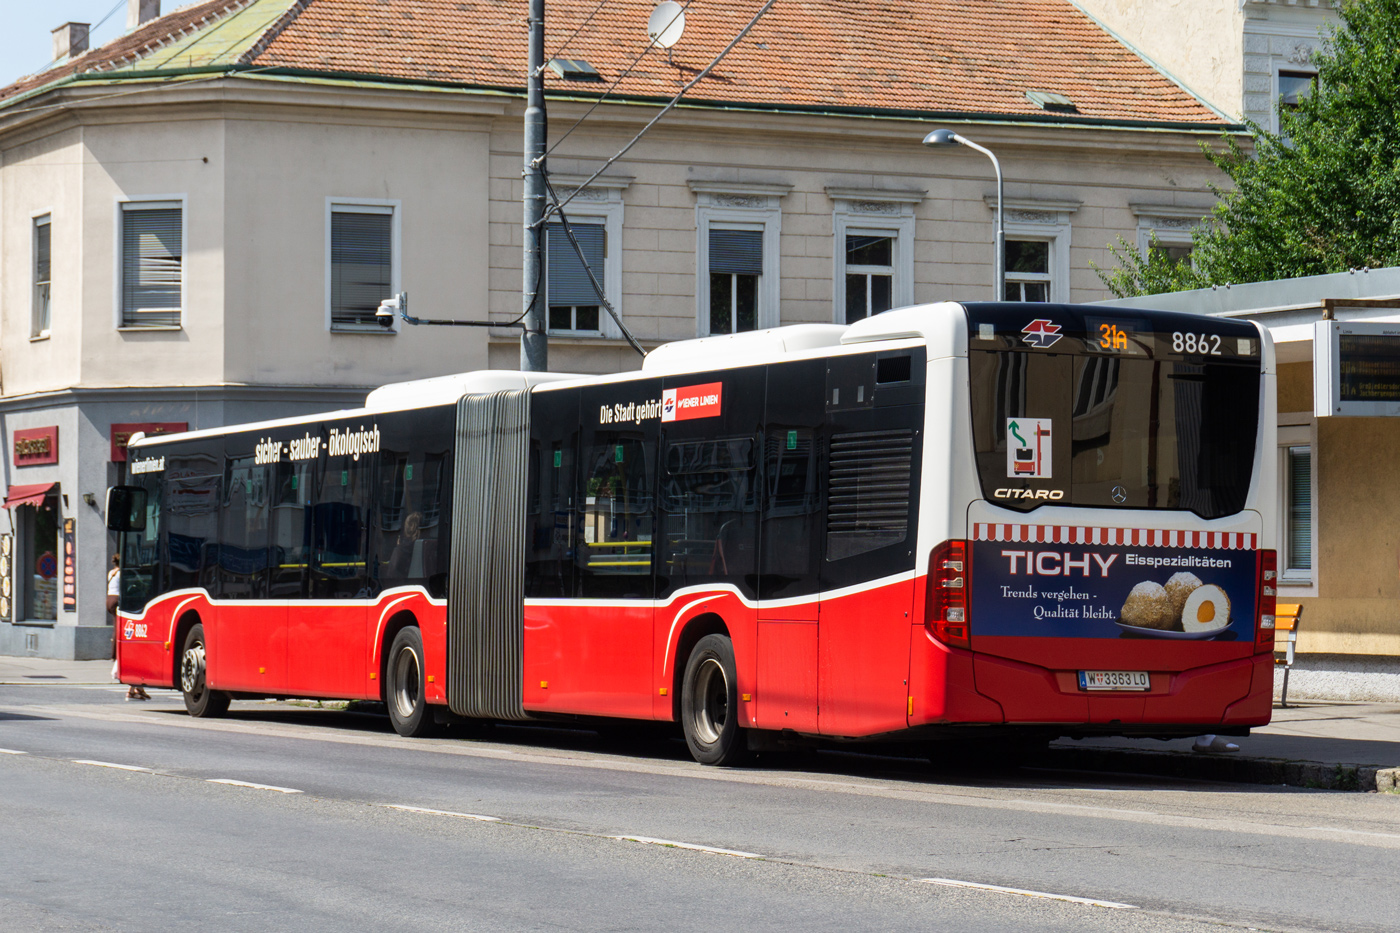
pixel 1149 606
pixel 1207 609
pixel 1180 586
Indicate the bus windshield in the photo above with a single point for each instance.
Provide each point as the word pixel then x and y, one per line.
pixel 1123 409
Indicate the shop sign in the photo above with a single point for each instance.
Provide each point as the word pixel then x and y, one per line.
pixel 36 446
pixel 70 565
pixel 121 434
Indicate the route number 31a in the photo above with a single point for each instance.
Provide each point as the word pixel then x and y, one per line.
pixel 1206 344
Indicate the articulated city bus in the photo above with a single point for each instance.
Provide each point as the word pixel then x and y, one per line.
pixel 1008 521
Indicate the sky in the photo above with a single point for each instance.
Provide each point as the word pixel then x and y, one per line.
pixel 25 44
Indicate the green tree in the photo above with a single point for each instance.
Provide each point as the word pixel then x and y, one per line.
pixel 1323 194
pixel 1153 274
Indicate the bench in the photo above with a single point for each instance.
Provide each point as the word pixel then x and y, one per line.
pixel 1286 616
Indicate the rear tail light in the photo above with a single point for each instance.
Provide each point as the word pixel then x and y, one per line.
pixel 945 613
pixel 1268 599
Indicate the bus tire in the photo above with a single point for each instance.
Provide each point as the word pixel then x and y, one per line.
pixel 710 704
pixel 200 700
pixel 404 690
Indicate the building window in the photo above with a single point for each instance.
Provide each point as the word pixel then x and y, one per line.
pixel 736 270
pixel 152 263
pixel 43 279
pixel 1293 86
pixel 363 267
pixel 573 301
pixel 1297 516
pixel 874 233
pixel 869 274
pixel 1027 270
pixel 739 227
pixel 38 560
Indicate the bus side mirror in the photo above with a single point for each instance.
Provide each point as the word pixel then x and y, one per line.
pixel 126 508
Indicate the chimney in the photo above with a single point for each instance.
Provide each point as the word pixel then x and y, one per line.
pixel 140 12
pixel 70 40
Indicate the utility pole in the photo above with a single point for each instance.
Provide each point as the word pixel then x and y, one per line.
pixel 534 345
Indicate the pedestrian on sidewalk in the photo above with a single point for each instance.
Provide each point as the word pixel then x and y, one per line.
pixel 114 596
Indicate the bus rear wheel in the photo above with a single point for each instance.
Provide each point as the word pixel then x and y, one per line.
pixel 404 690
pixel 200 700
pixel 710 704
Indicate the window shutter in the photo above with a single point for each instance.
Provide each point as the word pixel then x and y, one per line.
pixel 1299 509
pixel 568 280
pixel 738 252
pixel 361 266
pixel 152 266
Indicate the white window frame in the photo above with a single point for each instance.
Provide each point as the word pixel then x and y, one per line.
pixel 1290 437
pixel 874 213
pixel 1045 222
pixel 739 206
pixel 394 208
pixel 150 202
pixel 35 218
pixel 599 203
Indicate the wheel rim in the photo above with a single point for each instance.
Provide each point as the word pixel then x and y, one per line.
pixel 192 670
pixel 406 679
pixel 712 701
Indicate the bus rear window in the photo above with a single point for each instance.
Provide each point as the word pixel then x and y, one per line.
pixel 1131 432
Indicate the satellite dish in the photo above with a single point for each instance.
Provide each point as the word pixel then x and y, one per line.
pixel 666 24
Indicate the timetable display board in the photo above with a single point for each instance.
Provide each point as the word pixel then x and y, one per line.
pixel 1356 369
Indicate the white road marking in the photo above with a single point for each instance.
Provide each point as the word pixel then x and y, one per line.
pixel 1054 897
pixel 686 845
pixel 233 783
pixel 12 751
pixel 465 816
pixel 108 764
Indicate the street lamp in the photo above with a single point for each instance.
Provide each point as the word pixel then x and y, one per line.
pixel 940 138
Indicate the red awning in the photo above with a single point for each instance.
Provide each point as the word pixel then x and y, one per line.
pixel 32 494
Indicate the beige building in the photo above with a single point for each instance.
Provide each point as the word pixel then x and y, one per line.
pixel 198 220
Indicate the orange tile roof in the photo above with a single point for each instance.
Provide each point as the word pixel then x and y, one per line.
pixel 946 56
pixel 130 46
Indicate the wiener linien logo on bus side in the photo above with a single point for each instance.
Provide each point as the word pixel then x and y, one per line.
pixel 682 404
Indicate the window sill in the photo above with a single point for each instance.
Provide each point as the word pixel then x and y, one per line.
pixel 373 331
pixel 35 338
pixel 36 623
pixel 149 328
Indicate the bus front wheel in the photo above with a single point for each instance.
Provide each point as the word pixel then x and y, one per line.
pixel 404 694
pixel 200 700
pixel 710 704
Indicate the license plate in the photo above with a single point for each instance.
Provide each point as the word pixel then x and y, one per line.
pixel 1114 680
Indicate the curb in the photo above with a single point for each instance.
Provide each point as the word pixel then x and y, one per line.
pixel 1230 769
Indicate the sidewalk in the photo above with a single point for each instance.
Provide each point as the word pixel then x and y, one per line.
pixel 1313 743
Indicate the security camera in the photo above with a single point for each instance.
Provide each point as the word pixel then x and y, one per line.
pixel 387 309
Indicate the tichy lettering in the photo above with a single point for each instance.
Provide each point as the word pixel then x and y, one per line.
pixel 1058 563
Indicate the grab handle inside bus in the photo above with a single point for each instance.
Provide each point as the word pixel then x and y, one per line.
pixel 126 508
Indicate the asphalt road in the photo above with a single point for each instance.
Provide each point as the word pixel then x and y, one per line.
pixel 350 827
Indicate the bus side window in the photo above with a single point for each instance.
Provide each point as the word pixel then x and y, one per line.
pixel 141 578
pixel 192 518
pixel 791 505
pixel 291 530
pixel 709 495
pixel 339 539
pixel 615 516
pixel 243 527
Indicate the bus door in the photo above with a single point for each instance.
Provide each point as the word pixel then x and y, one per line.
pixel 248 651
pixel 873 432
pixel 326 635
pixel 602 642
pixel 790 546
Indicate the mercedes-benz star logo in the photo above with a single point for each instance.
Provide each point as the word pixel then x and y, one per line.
pixel 1120 494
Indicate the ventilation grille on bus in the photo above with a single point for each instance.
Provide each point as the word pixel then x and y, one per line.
pixel 486 586
pixel 868 491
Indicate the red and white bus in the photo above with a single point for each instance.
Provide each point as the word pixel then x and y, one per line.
pixel 985 520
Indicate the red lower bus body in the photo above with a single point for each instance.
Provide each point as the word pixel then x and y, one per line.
pixel 859 665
